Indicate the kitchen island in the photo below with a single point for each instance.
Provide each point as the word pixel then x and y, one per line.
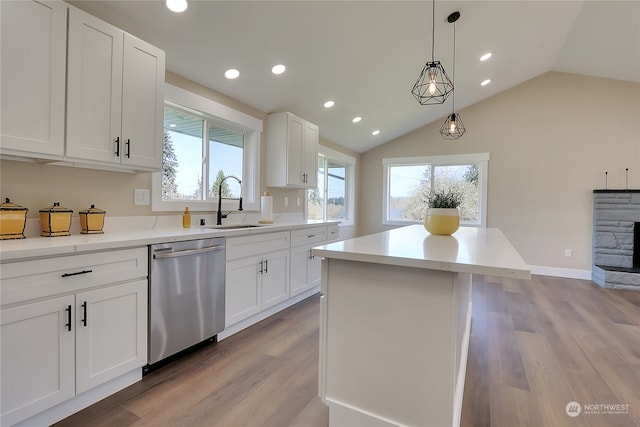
pixel 396 320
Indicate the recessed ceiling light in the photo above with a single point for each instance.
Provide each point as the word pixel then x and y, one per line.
pixel 356 119
pixel 485 56
pixel 329 104
pixel 232 74
pixel 278 69
pixel 177 5
pixel 485 82
pixel 375 132
pixel 172 125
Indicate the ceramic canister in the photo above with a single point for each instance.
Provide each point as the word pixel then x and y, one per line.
pixel 55 221
pixel 12 220
pixel 92 220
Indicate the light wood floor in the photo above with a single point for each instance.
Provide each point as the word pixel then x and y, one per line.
pixel 535 346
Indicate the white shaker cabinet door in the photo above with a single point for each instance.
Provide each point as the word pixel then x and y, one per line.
pixel 33 38
pixel 142 104
pixel 275 283
pixel 94 89
pixel 242 289
pixel 37 357
pixel 111 333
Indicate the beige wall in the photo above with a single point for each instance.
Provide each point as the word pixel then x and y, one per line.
pixel 550 139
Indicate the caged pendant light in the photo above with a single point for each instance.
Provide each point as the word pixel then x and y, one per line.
pixel 453 128
pixel 433 85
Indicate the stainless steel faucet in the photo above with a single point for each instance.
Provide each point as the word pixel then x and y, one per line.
pixel 220 214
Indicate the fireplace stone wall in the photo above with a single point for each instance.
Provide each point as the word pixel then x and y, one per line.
pixel 616 213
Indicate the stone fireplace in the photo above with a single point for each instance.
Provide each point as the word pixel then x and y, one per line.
pixel 616 239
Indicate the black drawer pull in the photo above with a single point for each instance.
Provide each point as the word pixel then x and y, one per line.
pixel 84 313
pixel 68 324
pixel 77 273
pixel 128 154
pixel 117 146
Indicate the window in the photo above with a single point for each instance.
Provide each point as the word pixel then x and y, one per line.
pixel 333 199
pixel 200 148
pixel 407 182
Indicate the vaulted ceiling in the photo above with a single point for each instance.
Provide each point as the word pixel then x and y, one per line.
pixel 366 55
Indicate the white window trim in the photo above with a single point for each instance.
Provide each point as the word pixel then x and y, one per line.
pixel 482 159
pixel 251 167
pixel 350 162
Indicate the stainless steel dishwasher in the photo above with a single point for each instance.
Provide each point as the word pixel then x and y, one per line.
pixel 186 295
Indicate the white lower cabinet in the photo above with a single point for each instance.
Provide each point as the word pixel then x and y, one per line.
pixel 38 357
pixel 305 268
pixel 257 274
pixel 57 346
pixel 110 325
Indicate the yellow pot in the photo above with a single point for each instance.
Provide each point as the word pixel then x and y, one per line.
pixel 12 220
pixel 55 221
pixel 442 221
pixel 92 220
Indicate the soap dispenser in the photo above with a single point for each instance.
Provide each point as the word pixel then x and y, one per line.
pixel 186 218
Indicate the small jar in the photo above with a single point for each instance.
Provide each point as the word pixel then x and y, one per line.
pixel 92 220
pixel 55 221
pixel 13 219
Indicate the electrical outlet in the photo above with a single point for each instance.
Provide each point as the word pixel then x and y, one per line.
pixel 286 201
pixel 141 196
pixel 568 253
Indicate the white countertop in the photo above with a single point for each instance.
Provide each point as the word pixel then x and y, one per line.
pixel 469 250
pixel 33 247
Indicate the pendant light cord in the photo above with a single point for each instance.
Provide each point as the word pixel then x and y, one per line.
pixel 433 29
pixel 453 72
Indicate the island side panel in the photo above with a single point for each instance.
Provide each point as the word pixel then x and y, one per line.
pixel 390 342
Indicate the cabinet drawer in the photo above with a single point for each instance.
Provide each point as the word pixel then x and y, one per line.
pixel 308 236
pixel 26 280
pixel 245 246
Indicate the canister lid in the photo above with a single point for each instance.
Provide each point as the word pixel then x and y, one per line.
pixel 8 206
pixel 92 210
pixel 56 208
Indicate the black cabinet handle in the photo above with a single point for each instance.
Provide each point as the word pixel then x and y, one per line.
pixel 128 148
pixel 261 266
pixel 68 324
pixel 118 146
pixel 84 313
pixel 77 273
pixel 266 266
pixel 310 255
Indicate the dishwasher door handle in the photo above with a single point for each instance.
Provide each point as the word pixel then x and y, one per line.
pixel 162 255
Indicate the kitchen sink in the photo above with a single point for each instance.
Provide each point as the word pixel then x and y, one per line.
pixel 234 227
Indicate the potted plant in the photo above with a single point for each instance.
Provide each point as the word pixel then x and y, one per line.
pixel 442 216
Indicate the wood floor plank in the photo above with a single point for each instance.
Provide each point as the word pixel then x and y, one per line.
pixel 548 385
pixel 505 361
pixel 521 313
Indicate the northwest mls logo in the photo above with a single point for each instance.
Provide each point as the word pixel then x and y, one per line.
pixel 573 409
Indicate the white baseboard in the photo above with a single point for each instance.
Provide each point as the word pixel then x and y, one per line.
pixel 561 272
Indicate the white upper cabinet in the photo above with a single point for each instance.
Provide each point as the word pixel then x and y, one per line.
pixel 33 59
pixel 114 96
pixel 292 151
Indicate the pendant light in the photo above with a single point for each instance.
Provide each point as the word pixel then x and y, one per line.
pixel 433 85
pixel 453 128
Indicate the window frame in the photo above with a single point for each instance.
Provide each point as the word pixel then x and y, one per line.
pixel 480 159
pixel 222 116
pixel 349 163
